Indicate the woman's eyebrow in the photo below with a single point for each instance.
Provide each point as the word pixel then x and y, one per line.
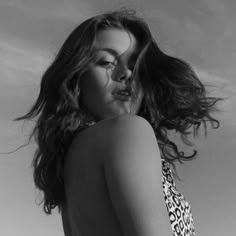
pixel 109 50
pixel 116 54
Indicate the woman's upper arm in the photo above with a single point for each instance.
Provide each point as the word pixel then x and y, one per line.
pixel 133 174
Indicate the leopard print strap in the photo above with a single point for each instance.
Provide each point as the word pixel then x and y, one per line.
pixel 178 208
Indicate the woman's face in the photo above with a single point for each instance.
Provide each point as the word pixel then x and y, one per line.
pixel 116 51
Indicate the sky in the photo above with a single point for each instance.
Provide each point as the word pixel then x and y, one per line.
pixel 201 32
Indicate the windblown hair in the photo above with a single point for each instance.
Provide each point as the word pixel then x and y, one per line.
pixel 174 99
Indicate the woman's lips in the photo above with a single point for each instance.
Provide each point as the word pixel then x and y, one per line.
pixel 122 97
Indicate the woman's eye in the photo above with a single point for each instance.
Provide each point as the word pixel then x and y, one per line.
pixel 107 64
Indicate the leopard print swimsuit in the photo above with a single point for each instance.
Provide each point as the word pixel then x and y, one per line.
pixel 178 208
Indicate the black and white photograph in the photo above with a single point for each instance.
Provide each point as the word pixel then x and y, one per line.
pixel 117 117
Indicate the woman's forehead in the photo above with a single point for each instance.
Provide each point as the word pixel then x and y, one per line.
pixel 116 41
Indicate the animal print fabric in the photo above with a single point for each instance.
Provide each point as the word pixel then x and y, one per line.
pixel 178 208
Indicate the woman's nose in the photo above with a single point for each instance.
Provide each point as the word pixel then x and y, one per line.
pixel 124 73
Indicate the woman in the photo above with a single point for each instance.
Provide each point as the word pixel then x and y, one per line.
pixel 105 107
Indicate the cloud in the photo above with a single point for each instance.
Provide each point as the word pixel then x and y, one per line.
pixel 21 69
pixel 202 33
pixel 56 9
pixel 216 6
pixel 16 58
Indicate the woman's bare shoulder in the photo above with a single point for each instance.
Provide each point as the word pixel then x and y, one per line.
pixel 117 128
pixel 128 132
pixel 109 132
pixel 106 127
pixel 121 120
pixel 125 122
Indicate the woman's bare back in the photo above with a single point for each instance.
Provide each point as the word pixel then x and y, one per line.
pixel 95 203
pixel 88 210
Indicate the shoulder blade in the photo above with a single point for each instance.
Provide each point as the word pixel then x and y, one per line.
pixel 134 177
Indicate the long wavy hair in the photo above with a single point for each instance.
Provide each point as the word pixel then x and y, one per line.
pixel 174 99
